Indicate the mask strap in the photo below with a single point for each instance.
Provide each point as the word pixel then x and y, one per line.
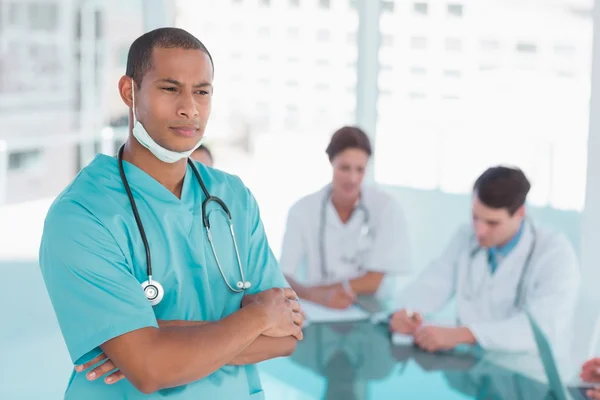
pixel 133 100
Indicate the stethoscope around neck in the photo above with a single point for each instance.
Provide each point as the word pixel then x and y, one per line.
pixel 152 288
pixel 364 229
pixel 471 294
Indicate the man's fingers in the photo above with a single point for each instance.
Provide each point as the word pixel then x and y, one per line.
pixel 338 305
pixel 589 376
pixel 298 334
pixel 100 370
pixel 114 377
pixel 88 364
pixel 295 305
pixel 421 334
pixel 417 319
pixel 593 393
pixel 290 294
pixel 426 342
pixel 348 295
pixel 411 325
pixel 590 364
pixel 298 319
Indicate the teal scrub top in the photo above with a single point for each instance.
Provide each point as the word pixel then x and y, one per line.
pixel 93 262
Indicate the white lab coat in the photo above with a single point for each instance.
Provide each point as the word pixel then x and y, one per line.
pixel 387 248
pixel 486 303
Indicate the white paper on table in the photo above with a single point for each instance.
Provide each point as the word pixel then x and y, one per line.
pixel 381 317
pixel 318 313
pixel 578 383
pixel 400 339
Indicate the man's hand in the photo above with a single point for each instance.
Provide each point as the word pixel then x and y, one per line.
pixel 590 371
pixel 437 338
pixel 593 393
pixel 333 296
pixel 108 365
pixel 101 370
pixel 283 310
pixel 405 322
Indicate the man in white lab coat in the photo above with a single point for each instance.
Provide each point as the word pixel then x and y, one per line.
pixel 499 266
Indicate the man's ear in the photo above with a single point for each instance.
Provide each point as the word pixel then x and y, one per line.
pixel 125 90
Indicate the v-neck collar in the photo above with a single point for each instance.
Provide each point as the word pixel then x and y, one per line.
pixel 504 250
pixel 333 215
pixel 513 262
pixel 144 184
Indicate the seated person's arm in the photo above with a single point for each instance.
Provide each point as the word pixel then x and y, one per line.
pixel 430 291
pixel 367 284
pixel 336 295
pixel 552 293
pixel 100 305
pixel 294 252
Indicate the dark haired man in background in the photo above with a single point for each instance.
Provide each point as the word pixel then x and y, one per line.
pixel 496 268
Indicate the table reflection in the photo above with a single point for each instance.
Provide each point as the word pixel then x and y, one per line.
pixel 357 361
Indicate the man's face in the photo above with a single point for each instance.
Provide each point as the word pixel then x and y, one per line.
pixel 348 172
pixel 174 100
pixel 494 226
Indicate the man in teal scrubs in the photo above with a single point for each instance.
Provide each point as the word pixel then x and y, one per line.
pixel 202 339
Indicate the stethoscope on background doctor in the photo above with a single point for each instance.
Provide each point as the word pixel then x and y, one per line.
pixel 364 231
pixel 152 288
pixel 471 294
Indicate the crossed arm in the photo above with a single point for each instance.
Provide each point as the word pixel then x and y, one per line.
pixel 186 351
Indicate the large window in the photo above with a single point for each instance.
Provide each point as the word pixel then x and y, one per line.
pixel 464 92
pixel 35 54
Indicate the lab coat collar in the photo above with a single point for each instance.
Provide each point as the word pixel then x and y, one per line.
pixel 524 231
pixel 511 244
pixel 333 217
pixel 327 189
pixel 514 261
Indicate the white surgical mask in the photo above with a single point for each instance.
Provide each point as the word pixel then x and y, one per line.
pixel 142 136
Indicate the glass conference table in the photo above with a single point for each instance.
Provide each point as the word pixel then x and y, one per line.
pixel 346 361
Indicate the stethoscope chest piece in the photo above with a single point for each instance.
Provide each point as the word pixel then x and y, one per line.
pixel 154 291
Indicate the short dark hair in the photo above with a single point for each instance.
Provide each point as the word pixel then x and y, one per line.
pixel 139 58
pixel 205 149
pixel 348 137
pixel 502 187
